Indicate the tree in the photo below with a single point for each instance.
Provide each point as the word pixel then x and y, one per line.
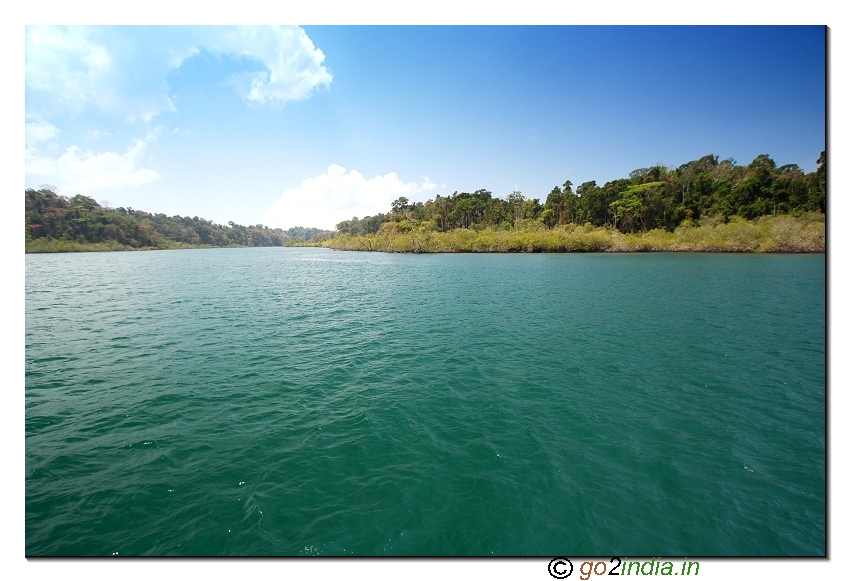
pixel 553 208
pixel 444 209
pixel 594 202
pixel 637 205
pixel 817 186
pixel 762 168
pixel 516 200
pixel 569 208
pixel 400 205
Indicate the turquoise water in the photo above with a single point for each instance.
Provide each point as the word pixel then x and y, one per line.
pixel 283 401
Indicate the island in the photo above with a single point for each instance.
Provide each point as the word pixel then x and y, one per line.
pixel 705 205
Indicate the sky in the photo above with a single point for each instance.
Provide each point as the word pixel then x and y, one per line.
pixel 307 126
pixel 501 108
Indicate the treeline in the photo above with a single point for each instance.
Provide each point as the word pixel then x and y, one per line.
pixel 56 223
pixel 649 199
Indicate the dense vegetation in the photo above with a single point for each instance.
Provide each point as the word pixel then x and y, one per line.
pixel 705 204
pixel 56 223
pixel 784 233
pixel 650 198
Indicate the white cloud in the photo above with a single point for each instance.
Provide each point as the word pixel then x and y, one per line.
pixel 332 197
pixel 294 63
pixel 77 171
pixel 65 63
pixel 123 71
pixel 40 130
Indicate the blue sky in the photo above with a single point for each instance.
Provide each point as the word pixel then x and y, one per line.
pixel 308 126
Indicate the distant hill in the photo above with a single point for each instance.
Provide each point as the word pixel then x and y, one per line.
pixel 57 223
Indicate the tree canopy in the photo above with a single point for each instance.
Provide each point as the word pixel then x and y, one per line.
pixel 650 198
pixel 82 220
pixel 653 198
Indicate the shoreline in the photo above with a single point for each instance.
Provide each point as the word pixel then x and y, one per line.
pixel 804 234
pixel 784 234
pixel 683 251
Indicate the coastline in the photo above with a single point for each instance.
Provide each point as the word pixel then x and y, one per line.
pixel 782 234
pixel 53 246
pixel 769 234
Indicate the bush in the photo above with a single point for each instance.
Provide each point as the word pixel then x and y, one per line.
pixel 785 233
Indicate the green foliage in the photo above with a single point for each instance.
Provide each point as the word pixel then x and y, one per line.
pixel 56 223
pixel 368 225
pixel 769 209
pixel 654 208
pixel 804 233
pixel 299 233
pixel 650 199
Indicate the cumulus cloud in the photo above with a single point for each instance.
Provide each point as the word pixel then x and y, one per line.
pixel 293 63
pixel 123 72
pixel 78 171
pixel 338 195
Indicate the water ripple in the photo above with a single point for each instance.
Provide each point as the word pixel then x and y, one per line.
pixel 308 402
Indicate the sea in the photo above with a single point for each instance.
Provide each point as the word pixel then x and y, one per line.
pixel 305 401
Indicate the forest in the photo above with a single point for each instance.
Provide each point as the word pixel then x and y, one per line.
pixel 650 198
pixel 706 205
pixel 57 223
pixel 703 205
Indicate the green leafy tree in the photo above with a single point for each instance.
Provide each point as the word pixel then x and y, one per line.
pixel 553 208
pixel 516 201
pixel 400 205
